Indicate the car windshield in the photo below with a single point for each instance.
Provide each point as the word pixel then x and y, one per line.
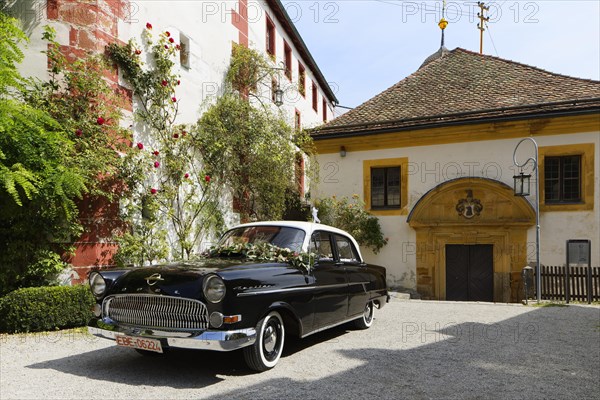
pixel 280 236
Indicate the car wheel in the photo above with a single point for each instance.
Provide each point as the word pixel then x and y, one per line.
pixel 366 320
pixel 266 351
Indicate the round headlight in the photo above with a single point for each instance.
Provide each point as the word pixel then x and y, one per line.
pixel 97 284
pixel 214 289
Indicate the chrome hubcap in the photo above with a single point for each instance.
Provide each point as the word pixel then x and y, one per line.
pixel 368 314
pixel 270 339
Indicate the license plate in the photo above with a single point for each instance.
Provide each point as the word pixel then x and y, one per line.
pixel 139 343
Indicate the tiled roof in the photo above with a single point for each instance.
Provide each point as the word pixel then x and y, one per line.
pixel 459 86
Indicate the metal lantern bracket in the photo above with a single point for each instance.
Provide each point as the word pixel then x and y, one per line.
pixel 522 178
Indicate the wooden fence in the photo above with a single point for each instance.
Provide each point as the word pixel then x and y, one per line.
pixel 554 286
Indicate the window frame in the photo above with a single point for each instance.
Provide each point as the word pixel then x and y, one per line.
pixel 324 105
pixel 355 253
pixel 401 162
pixel 315 97
pixel 385 205
pixel 297 120
pixel 561 180
pixel 287 59
pixel 270 38
pixel 301 79
pixel 586 172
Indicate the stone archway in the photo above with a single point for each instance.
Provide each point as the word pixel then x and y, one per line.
pixel 471 211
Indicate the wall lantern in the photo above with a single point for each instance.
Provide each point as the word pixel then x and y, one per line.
pixel 342 151
pixel 522 184
pixel 278 95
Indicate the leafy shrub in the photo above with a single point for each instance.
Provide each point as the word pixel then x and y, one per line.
pixel 45 308
pixel 351 216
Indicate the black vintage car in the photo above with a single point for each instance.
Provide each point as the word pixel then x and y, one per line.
pixel 262 282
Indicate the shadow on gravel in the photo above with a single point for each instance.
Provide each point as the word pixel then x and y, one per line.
pixel 546 353
pixel 178 368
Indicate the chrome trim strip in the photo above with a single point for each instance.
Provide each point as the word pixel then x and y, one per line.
pixel 207 340
pixel 257 292
pixel 298 289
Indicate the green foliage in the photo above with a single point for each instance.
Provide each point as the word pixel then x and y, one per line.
pixel 10 54
pixel 249 150
pixel 45 308
pixel 169 188
pixel 247 68
pixel 350 215
pixel 59 141
pixel 88 110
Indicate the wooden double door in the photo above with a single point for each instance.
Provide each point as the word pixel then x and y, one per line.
pixel 470 272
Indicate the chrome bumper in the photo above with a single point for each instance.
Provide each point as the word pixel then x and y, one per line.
pixel 207 340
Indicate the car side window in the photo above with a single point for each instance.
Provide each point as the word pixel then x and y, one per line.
pixel 346 250
pixel 320 244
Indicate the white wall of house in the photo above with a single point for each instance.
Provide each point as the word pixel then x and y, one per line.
pixel 209 28
pixel 431 165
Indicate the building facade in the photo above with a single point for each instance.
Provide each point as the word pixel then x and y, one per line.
pixel 206 32
pixel 432 157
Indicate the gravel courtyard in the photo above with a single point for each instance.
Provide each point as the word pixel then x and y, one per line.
pixel 415 350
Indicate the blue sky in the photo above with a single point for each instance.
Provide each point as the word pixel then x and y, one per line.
pixel 365 46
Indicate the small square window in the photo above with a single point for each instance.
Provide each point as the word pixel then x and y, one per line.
pixel 184 52
pixel 385 188
pixel 562 179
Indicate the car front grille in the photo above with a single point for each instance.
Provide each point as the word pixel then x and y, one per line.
pixel 156 312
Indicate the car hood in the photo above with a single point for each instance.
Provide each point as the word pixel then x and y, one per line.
pixel 181 279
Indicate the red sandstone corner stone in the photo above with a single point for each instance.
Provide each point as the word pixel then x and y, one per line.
pixel 79 14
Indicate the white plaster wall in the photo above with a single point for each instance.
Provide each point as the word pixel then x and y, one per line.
pixel 431 165
pixel 293 100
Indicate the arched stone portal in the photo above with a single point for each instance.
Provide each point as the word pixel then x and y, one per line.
pixel 471 212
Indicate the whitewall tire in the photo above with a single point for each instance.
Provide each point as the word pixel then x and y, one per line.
pixel 266 351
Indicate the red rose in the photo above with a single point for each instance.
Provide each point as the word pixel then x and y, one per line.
pixel 186 176
pixel 178 82
pixel 167 33
pixel 148 25
pixel 174 99
pixel 100 121
pixel 140 146
pixel 207 178
pixel 176 135
pixel 171 40
pixel 178 47
pixel 166 47
pixel 153 191
pixel 156 164
pixel 156 153
pixel 138 51
pixel 78 132
pixel 164 83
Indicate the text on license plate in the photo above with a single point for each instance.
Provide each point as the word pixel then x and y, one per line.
pixel 139 343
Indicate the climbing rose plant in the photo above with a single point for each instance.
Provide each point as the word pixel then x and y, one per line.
pixel 170 190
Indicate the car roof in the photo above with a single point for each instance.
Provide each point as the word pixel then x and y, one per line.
pixel 305 226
